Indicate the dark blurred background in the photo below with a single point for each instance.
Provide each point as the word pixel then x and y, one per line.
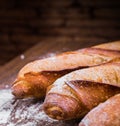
pixel 24 23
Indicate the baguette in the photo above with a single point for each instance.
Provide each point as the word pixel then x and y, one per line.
pixel 34 78
pixel 111 45
pixel 105 114
pixel 67 99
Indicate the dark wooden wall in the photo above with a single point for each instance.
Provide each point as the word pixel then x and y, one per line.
pixel 24 23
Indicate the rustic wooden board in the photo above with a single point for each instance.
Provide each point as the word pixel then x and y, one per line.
pixel 29 112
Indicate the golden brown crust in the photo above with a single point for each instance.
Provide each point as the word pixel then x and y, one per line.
pixel 106 114
pixel 66 108
pixel 72 60
pixel 36 83
pixel 92 93
pixel 103 52
pixel 93 85
pixel 84 96
pixel 107 73
pixel 38 75
pixel 111 45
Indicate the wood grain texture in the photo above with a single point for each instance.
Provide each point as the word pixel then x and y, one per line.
pixel 22 111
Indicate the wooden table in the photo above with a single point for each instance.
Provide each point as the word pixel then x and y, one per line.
pixel 29 112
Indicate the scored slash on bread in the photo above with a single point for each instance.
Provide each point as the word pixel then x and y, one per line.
pixel 93 86
pixel 34 78
pixel 82 97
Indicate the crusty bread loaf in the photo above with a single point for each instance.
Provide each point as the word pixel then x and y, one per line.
pixel 105 114
pixel 68 99
pixel 34 78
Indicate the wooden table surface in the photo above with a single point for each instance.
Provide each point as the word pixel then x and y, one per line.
pixel 29 112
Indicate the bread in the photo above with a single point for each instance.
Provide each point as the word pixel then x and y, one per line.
pixel 76 93
pixel 105 114
pixel 34 78
pixel 111 45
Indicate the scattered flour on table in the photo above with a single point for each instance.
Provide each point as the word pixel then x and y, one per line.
pixel 22 56
pixel 32 115
pixel 5 105
pixel 23 112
